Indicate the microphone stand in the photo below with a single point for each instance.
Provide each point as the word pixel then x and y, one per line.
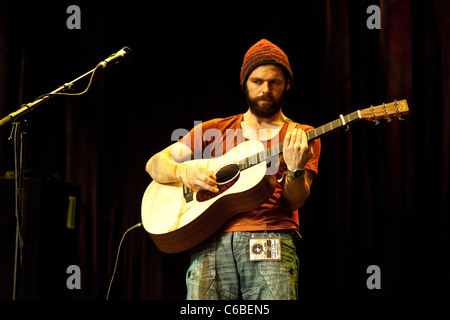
pixel 26 108
pixel 18 133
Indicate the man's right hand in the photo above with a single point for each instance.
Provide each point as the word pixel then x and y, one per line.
pixel 196 177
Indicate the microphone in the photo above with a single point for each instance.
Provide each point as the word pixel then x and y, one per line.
pixel 115 57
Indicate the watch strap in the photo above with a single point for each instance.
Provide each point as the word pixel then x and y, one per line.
pixel 296 173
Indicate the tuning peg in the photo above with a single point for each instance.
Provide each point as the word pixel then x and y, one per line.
pixel 376 122
pixel 401 118
pixel 388 120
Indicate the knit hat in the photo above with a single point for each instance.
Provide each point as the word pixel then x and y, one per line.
pixel 263 52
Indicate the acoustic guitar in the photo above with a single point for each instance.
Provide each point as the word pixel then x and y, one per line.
pixel 178 218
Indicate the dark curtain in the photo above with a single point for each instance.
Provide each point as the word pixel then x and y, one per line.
pixel 381 196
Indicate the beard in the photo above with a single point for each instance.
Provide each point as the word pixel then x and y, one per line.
pixel 266 110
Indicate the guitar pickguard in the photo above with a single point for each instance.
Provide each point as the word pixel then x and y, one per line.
pixel 204 195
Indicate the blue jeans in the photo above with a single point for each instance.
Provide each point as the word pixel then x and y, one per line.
pixel 220 268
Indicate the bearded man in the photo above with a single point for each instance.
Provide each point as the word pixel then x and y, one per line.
pixel 253 256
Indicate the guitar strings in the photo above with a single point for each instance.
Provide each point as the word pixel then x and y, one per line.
pixel 233 169
pixel 228 172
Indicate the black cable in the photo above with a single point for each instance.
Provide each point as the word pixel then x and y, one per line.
pixel 69 86
pixel 117 257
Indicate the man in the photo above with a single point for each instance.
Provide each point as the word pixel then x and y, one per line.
pixel 242 261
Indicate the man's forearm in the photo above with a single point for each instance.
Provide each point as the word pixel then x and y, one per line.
pixel 162 168
pixel 296 190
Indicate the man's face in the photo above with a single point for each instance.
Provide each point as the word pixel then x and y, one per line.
pixel 266 86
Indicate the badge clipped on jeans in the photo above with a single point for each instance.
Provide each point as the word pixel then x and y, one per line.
pixel 265 246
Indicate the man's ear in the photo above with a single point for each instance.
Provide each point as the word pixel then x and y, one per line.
pixel 288 84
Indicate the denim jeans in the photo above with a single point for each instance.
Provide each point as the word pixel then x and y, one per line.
pixel 220 268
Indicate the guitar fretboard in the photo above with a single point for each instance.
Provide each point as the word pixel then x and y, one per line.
pixel 333 125
pixel 316 133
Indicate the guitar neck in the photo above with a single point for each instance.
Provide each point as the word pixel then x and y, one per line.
pixel 316 133
pixel 343 121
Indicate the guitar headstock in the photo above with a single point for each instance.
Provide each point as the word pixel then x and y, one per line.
pixel 387 111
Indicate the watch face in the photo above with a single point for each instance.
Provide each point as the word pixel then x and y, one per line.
pixel 297 173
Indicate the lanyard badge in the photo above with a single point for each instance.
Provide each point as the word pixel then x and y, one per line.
pixel 265 246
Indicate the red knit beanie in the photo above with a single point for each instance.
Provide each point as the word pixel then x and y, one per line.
pixel 263 52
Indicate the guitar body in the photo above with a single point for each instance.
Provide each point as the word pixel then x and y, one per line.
pixel 176 224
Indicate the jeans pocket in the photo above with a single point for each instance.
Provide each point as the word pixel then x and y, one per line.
pixel 202 267
pixel 201 274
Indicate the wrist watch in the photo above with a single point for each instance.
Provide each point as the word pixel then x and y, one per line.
pixel 296 173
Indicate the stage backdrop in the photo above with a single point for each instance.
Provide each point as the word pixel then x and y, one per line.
pixel 381 196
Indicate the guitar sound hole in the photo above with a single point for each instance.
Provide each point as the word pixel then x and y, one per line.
pixel 226 177
pixel 227 173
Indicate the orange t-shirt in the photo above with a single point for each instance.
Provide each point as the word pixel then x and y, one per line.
pixel 215 137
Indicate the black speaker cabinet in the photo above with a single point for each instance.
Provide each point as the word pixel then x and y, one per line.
pixel 49 232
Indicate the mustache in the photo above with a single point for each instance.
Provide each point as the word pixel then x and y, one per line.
pixel 263 97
